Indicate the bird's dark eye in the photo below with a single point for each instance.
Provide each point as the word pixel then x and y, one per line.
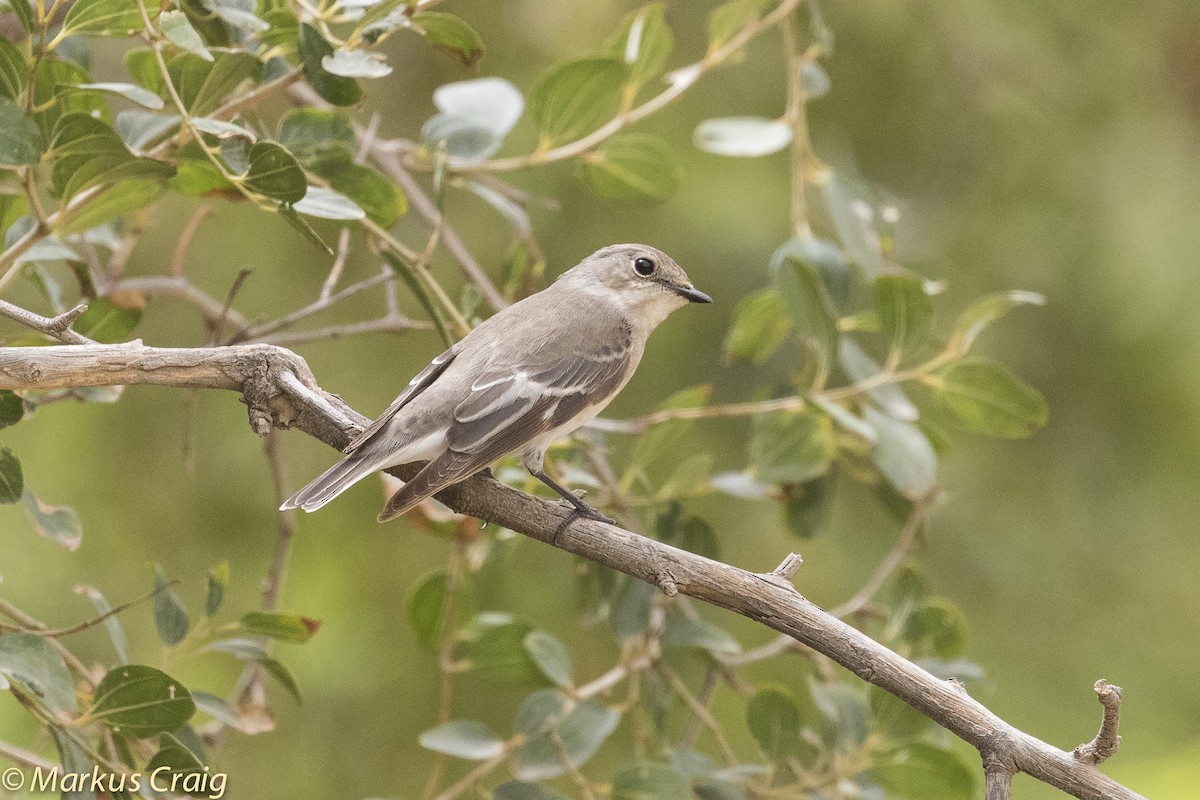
pixel 643 267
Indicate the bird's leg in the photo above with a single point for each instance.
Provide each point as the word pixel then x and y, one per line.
pixel 581 509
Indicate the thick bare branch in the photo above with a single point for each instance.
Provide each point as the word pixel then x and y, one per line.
pixel 279 388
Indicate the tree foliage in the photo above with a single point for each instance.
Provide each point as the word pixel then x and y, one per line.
pixel 865 378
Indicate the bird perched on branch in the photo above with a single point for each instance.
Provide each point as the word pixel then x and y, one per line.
pixel 525 377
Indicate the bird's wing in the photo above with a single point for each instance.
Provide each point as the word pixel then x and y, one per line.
pixel 417 385
pixel 509 407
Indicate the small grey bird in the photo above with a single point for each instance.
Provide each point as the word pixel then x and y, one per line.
pixel 519 381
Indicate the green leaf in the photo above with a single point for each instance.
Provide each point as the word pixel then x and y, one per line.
pixel 975 319
pixel 987 398
pixel 138 128
pixel 52 103
pixel 222 129
pixel 806 505
pixel 499 655
pixel 659 442
pixel 170 615
pixel 576 98
pixel 937 627
pixel 728 19
pixel 143 68
pixel 774 721
pixel 12 408
pixel 463 739
pixel 14 71
pixel 140 701
pixel 356 64
pixel 699 633
pixel 333 88
pixel 250 650
pixel 846 714
pixel 637 166
pixel 519 790
pixel 200 178
pixel 857 213
pixel 693 534
pixel 815 80
pixel 281 627
pixel 643 42
pixel 427 607
pixel 59 524
pixel 238 14
pixel 760 326
pixel 903 455
pixel 19 136
pixel 203 85
pixel 218 580
pixel 581 730
pixel 313 134
pixel 919 771
pixel 130 91
pixel 283 34
pixel 23 11
pixel 274 172
pixel 112 624
pixel 742 137
pixel 808 302
pixel 649 782
pixel 86 152
pixel 118 200
pixel 550 655
pixel 374 194
pixel 859 366
pixel 173 758
pixel 791 447
pixel 12 481
pixel 105 17
pixel 630 614
pixel 894 718
pixel 107 321
pixel 28 661
pixel 450 33
pixel 179 31
pixel 327 204
pixel 905 312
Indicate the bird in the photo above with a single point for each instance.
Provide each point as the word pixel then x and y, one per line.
pixel 522 379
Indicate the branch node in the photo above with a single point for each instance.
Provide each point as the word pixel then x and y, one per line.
pixel 1104 745
pixel 666 584
pixel 256 392
pixel 787 568
pixel 59 324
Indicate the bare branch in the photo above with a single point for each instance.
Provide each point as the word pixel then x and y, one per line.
pixel 1104 745
pixel 280 390
pixel 57 327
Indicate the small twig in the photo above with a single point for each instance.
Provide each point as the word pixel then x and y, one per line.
pixel 581 781
pixel 179 259
pixel 58 327
pixel 787 568
pixel 1104 745
pixel 94 621
pixel 998 772
pixel 339 263
pixel 258 332
pixel 23 756
pixel 894 558
pixel 210 308
pixel 694 724
pixel 483 768
pixel 701 711
pixel 218 325
pixel 389 323
pixel 276 573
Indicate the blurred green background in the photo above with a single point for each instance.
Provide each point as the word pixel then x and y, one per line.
pixel 1049 147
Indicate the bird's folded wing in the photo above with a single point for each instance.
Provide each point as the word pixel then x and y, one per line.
pixel 509 407
pixel 417 385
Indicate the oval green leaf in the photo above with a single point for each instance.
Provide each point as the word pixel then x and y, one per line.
pixel 140 701
pixel 987 398
pixel 577 97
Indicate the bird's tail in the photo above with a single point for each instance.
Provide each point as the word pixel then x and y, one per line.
pixel 332 482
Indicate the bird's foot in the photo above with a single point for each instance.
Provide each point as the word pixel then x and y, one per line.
pixel 580 510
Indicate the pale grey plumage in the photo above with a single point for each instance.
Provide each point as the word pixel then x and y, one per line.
pixel 520 380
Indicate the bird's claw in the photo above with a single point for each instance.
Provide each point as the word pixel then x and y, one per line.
pixel 583 511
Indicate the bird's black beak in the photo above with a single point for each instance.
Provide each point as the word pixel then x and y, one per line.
pixel 692 294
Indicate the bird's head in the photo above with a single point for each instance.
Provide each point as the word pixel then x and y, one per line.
pixel 645 282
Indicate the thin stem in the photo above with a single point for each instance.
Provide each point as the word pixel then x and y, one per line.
pixel 701 711
pixel 797 117
pixel 894 558
pixel 83 626
pixel 682 80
